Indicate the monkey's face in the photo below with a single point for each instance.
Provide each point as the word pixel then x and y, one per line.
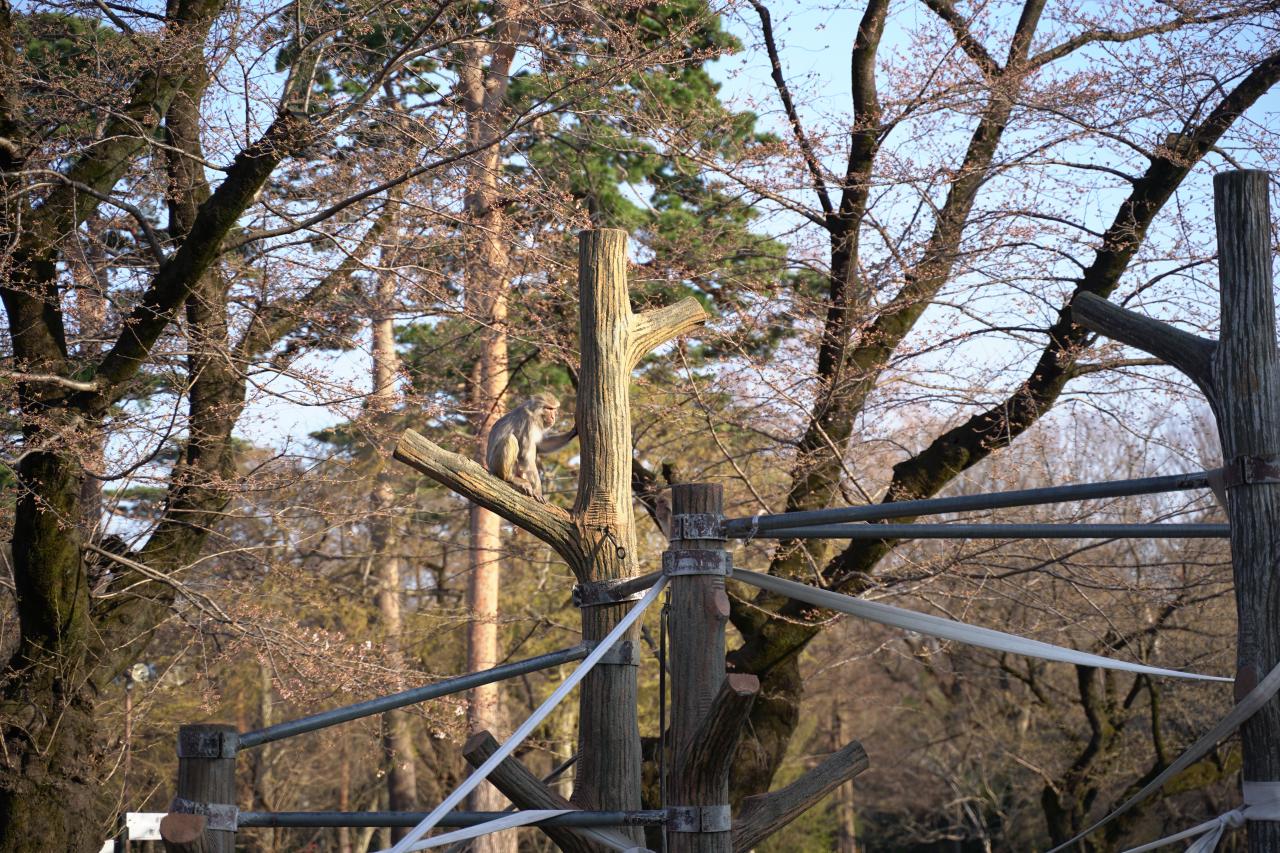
pixel 549 415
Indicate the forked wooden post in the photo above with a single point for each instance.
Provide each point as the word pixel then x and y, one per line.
pixel 202 818
pixel 1240 374
pixel 597 538
pixel 708 710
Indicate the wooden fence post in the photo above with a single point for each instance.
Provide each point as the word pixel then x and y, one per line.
pixel 708 709
pixel 1240 375
pixel 202 818
pixel 1246 377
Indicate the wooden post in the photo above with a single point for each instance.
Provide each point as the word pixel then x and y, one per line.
pixel 608 771
pixel 708 710
pixel 1246 376
pixel 597 538
pixel 1240 375
pixel 202 817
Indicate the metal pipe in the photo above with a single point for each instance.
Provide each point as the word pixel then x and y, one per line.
pixel 370 707
pixel 1003 531
pixel 749 527
pixel 648 817
pixel 636 584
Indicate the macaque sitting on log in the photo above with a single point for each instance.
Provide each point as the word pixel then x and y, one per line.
pixel 519 436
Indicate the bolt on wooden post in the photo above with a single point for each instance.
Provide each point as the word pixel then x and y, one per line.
pixel 708 708
pixel 202 818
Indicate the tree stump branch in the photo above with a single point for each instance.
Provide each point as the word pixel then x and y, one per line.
pixel 527 791
pixel 765 814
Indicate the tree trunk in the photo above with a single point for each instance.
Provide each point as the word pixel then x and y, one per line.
pixel 846 810
pixel 1246 376
pixel 486 295
pixel 608 770
pixel 397 732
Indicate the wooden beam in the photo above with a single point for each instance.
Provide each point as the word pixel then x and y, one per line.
pixel 765 814
pixel 549 523
pixel 1189 353
pixel 527 791
pixel 183 833
pixel 206 778
pixel 708 709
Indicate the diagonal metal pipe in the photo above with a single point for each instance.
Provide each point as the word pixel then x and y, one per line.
pixel 746 528
pixel 446 687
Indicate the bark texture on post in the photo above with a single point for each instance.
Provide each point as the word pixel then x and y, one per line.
pixel 608 771
pixel 206 777
pixel 598 537
pixel 1246 376
pixel 1240 374
pixel 707 709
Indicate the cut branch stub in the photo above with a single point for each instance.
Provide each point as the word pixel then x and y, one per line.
pixel 527 791
pixel 765 814
pixel 1189 353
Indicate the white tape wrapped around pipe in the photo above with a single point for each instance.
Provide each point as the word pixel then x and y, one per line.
pixel 947 629
pixel 526 728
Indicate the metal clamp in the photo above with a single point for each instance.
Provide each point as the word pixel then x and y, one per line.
pixel 697 563
pixel 597 593
pixel 697 525
pixel 1247 471
pixel 623 653
pixel 207 743
pixel 699 818
pixel 221 816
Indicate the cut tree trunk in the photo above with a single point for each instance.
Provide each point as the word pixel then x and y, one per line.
pixel 397 731
pixel 597 538
pixel 1240 375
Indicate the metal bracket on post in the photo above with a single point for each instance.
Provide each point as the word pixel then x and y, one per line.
pixel 676 563
pixel 597 593
pixel 221 816
pixel 697 525
pixel 196 742
pixel 623 653
pixel 1247 471
pixel 699 818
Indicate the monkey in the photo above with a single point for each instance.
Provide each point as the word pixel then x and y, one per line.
pixel 519 436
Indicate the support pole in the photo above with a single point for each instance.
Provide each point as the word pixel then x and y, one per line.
pixel 1240 375
pixel 1246 378
pixel 202 818
pixel 707 710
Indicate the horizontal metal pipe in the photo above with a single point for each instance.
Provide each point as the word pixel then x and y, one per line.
pixel 636 584
pixel 1003 531
pixel 650 817
pixel 747 527
pixel 382 704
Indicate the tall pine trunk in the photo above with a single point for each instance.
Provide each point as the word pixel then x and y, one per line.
pixel 484 92
pixel 397 732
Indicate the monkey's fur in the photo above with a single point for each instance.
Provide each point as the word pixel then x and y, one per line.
pixel 519 436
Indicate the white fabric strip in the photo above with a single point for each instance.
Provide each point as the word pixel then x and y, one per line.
pixel 1244 709
pixel 609 840
pixel 511 821
pixel 947 629
pixel 1261 802
pixel 526 728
